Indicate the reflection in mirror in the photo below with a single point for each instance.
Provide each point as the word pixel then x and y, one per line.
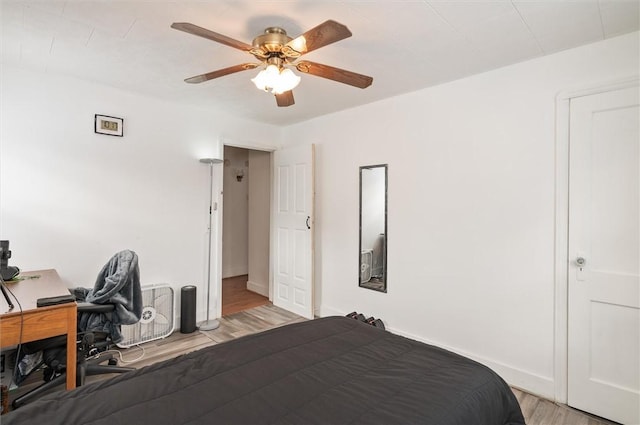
pixel 373 227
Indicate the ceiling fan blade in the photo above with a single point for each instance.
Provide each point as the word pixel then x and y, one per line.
pixel 285 99
pixel 220 73
pixel 335 74
pixel 326 33
pixel 210 35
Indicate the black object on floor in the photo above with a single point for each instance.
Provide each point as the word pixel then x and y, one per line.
pixel 369 320
pixel 378 324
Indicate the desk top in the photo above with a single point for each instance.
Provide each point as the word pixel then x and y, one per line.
pixel 38 284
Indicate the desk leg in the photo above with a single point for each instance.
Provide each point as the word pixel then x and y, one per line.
pixel 72 317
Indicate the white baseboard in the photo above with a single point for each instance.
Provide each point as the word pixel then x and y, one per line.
pixel 258 288
pixel 325 311
pixel 530 382
pixel 533 383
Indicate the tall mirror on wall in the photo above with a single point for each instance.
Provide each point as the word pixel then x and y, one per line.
pixel 373 227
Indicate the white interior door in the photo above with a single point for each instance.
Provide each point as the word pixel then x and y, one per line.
pixel 604 255
pixel 293 230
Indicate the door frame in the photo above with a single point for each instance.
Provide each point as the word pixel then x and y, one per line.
pixel 218 184
pixel 561 249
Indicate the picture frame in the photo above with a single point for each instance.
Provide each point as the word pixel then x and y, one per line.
pixel 111 126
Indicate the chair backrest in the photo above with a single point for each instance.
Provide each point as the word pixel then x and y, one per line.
pixel 118 283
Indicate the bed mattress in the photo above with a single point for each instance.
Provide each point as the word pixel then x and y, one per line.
pixel 333 370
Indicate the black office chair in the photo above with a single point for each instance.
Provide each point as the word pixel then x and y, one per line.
pixel 118 281
pixel 89 345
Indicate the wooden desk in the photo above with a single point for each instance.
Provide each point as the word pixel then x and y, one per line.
pixel 40 322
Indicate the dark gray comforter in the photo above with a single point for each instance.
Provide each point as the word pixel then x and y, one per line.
pixel 326 371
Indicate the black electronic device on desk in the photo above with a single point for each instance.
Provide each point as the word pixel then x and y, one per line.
pixel 6 271
pixel 61 299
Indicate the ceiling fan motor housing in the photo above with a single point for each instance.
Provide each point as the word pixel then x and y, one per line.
pixel 271 42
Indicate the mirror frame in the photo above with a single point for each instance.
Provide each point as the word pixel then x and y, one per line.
pixel 384 255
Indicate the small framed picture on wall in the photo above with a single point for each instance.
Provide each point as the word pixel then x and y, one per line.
pixel 111 126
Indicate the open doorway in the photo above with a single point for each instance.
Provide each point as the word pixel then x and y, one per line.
pixel 245 229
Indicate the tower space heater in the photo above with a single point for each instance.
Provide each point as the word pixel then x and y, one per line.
pixel 157 320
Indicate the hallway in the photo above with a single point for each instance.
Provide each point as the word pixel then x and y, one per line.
pixel 236 297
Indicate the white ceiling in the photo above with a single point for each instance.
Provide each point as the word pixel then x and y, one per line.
pixel 403 45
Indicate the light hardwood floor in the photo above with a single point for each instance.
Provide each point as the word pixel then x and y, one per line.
pixel 236 297
pixel 536 410
pixel 232 326
pixel 539 411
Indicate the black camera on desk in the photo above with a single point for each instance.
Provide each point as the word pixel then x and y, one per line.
pixel 6 271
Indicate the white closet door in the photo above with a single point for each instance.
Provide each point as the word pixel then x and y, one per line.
pixel 604 256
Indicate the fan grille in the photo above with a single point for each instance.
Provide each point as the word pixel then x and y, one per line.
pixel 157 319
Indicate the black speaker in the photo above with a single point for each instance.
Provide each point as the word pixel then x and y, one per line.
pixel 188 309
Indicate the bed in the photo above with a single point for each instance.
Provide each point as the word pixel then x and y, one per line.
pixel 333 370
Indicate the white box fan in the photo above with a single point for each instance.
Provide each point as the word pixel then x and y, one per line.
pixel 157 320
pixel 366 259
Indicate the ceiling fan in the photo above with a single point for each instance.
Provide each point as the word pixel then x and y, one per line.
pixel 277 51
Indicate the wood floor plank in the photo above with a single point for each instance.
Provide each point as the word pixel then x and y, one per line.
pixel 156 351
pixel 236 297
pixel 539 411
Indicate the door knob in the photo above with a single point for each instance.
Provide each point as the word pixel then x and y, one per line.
pixel 580 261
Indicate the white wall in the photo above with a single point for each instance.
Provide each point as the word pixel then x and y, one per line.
pixel 235 240
pixel 69 198
pixel 471 207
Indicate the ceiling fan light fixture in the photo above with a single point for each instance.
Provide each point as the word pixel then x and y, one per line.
pixel 298 45
pixel 286 81
pixel 264 77
pixel 275 80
